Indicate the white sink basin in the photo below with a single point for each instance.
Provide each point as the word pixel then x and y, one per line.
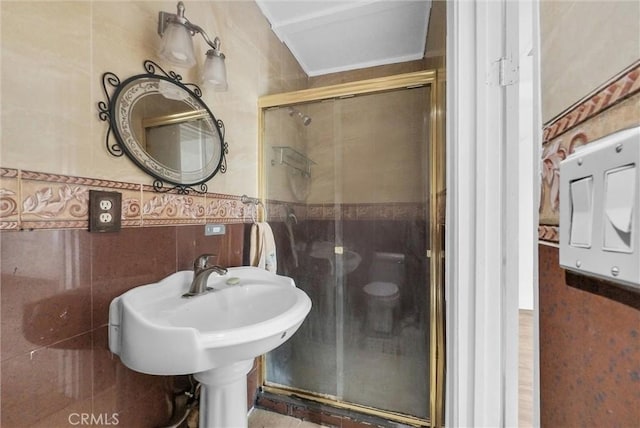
pixel 327 250
pixel 155 330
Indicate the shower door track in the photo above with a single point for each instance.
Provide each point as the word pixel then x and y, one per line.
pixel 435 253
pixel 332 401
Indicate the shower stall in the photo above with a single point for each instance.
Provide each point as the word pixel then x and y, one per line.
pixel 352 181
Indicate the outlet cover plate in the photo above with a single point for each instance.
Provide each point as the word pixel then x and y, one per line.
pixel 105 211
pixel 214 229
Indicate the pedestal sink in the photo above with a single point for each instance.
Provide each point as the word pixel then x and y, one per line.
pixel 214 336
pixel 327 250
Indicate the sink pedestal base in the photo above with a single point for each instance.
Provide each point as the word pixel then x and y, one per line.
pixel 223 396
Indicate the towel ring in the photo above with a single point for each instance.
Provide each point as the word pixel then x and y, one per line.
pixel 255 214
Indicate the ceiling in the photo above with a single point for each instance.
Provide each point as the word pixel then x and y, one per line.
pixel 333 36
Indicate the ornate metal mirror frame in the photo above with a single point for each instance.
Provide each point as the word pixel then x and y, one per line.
pixel 193 150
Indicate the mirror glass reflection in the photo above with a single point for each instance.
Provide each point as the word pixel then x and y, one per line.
pixel 168 131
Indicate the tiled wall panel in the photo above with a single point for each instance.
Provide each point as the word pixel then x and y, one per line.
pixel 55 288
pixel 589 350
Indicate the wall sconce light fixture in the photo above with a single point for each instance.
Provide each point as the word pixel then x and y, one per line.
pixel 177 47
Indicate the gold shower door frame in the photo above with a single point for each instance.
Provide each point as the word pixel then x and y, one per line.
pixel 435 253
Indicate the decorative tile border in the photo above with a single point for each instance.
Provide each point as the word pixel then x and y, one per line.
pixel 221 207
pixel 35 200
pixel 614 107
pixel 9 199
pixel 549 233
pixel 278 211
pixel 170 208
pixel 625 85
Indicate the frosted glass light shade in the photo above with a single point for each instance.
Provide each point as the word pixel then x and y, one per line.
pixel 214 72
pixel 177 46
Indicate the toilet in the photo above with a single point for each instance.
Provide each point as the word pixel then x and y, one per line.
pixel 383 292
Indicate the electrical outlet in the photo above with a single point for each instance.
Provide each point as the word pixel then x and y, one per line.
pixel 105 211
pixel 105 204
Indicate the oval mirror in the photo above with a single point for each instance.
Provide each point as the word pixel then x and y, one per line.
pixel 165 128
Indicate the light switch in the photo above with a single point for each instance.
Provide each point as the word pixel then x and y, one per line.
pixel 620 198
pixel 600 209
pixel 581 211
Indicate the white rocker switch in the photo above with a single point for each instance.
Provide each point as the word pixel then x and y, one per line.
pixel 581 212
pixel 620 197
pixel 600 209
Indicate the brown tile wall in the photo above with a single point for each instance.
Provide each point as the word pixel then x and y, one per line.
pixel 589 349
pixel 55 288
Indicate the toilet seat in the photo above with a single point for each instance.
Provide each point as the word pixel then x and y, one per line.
pixel 381 289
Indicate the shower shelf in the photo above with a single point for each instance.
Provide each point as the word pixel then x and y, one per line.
pixel 293 158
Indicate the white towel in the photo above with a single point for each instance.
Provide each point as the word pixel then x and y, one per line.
pixel 263 247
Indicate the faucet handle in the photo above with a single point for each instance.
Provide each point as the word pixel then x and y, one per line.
pixel 204 260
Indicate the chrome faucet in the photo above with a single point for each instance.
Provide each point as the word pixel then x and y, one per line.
pixel 203 267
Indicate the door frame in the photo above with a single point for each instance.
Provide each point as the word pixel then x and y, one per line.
pixel 482 237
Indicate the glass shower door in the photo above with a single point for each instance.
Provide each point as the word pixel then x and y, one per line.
pixel 305 235
pixel 355 238
pixel 384 188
